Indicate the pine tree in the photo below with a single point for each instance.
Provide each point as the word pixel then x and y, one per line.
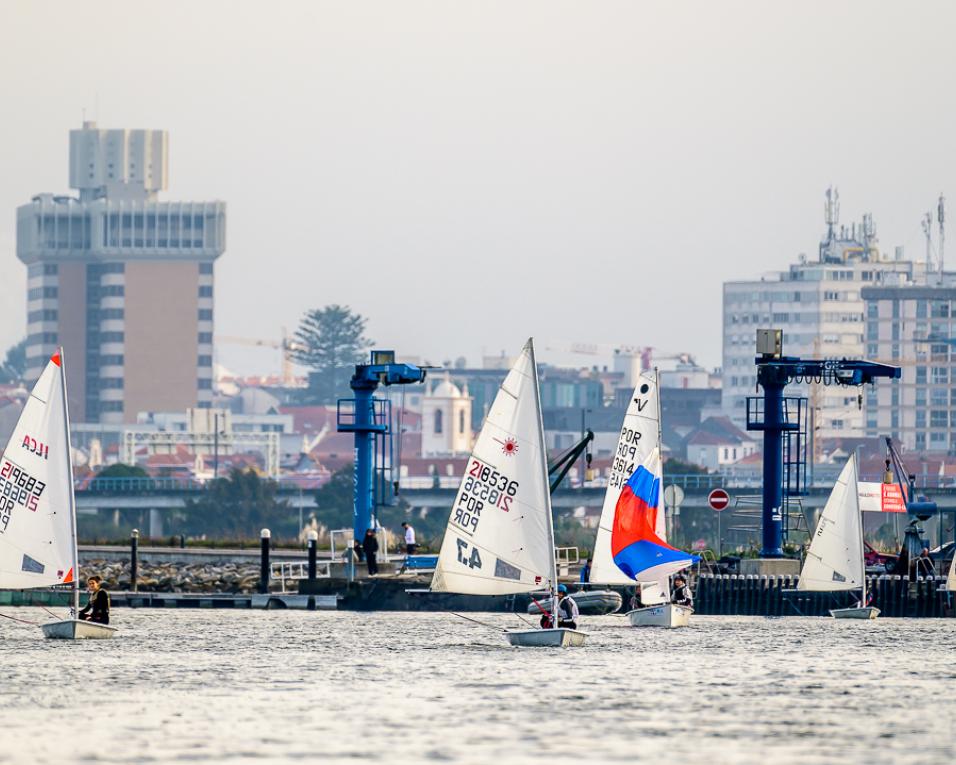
pixel 330 341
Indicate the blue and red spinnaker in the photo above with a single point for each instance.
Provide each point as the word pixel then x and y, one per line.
pixel 636 547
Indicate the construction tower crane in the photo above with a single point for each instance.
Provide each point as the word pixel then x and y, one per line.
pixel 286 345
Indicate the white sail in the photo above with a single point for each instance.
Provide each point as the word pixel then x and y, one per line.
pixel 640 434
pixel 951 577
pixel 835 558
pixel 37 544
pixel 499 537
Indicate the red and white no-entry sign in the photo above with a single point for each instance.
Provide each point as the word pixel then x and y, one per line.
pixel 718 499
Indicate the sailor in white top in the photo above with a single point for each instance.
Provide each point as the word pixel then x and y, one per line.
pixel 409 538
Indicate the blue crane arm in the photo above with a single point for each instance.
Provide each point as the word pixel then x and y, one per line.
pixel 388 374
pixel 787 369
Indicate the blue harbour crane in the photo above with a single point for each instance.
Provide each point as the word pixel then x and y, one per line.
pixel 370 419
pixel 783 422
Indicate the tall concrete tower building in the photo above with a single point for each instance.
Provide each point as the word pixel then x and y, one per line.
pixel 122 280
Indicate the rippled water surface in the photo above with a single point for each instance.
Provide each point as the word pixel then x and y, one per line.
pixel 283 686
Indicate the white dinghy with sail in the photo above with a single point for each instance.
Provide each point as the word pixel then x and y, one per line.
pixel 613 561
pixel 834 562
pixel 500 535
pixel 37 507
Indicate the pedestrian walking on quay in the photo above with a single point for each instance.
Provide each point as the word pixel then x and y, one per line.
pixel 410 545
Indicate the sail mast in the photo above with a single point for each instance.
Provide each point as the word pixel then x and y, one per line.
pixel 859 514
pixel 544 469
pixel 69 471
pixel 660 447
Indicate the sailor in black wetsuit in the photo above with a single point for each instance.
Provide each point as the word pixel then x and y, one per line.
pixel 682 594
pixel 98 607
pixel 568 612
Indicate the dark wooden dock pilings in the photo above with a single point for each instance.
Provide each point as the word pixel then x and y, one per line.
pixel 751 595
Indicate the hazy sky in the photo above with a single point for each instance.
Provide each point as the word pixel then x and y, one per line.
pixel 467 174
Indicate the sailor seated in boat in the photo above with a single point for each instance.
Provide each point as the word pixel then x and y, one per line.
pixel 682 594
pixel 568 613
pixel 98 607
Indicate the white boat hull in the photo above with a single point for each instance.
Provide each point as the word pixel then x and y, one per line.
pixel 866 612
pixel 665 615
pixel 77 629
pixel 546 638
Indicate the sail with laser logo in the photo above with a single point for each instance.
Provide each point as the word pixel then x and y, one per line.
pixel 499 537
pixel 37 536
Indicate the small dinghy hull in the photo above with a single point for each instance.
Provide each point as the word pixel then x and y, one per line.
pixel 665 615
pixel 590 603
pixel 77 629
pixel 866 612
pixel 546 638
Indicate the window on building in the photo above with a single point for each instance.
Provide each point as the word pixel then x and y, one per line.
pixel 111 337
pixel 837 424
pixel 205 383
pixel 938 418
pixel 111 406
pixel 205 290
pixel 204 361
pixel 937 437
pixel 38 293
pixel 921 309
pixel 921 397
pixel 205 337
pixel 920 441
pixel 940 375
pixel 205 314
pixel 920 418
pixel 205 268
pixel 438 421
pixel 461 421
pixel 41 338
pixel 921 375
pixel 47 314
pixel 111 383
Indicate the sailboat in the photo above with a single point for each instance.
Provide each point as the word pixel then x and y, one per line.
pixel 38 515
pixel 834 562
pixel 637 468
pixel 500 534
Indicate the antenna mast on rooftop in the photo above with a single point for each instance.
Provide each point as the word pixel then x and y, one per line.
pixel 928 232
pixel 941 217
pixel 832 210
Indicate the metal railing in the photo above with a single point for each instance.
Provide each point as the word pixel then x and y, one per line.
pixel 564 558
pixel 692 481
pixel 294 571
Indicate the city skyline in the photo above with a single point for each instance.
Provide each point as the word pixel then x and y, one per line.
pixel 515 163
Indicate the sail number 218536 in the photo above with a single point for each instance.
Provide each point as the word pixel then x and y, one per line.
pixel 483 487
